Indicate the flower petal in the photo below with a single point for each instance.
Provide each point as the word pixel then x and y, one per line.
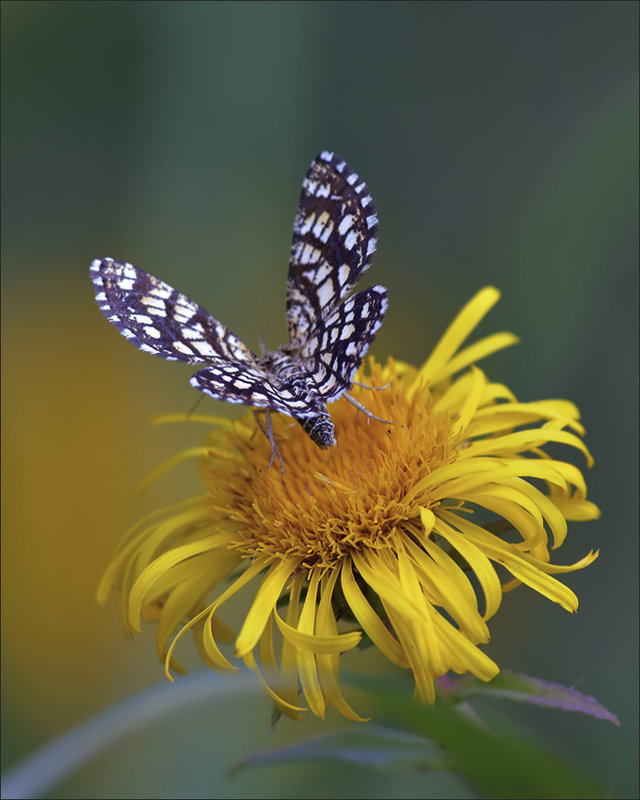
pixel 386 583
pixel 466 320
pixel 478 350
pixel 157 571
pixel 159 471
pixel 263 604
pixel 307 668
pixel 471 402
pixel 522 566
pixel 329 665
pixel 506 416
pixel 208 612
pixel 448 587
pixel 524 440
pixel 314 643
pixel 479 563
pixel 369 620
pixel 250 660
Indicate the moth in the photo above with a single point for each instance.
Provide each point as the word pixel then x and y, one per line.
pixel 334 238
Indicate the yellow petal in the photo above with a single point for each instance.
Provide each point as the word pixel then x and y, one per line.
pixel 471 403
pixel 553 569
pixel 288 680
pixel 421 651
pixel 479 563
pixel 264 603
pixel 329 665
pixel 466 320
pixel 520 565
pixel 186 597
pixel 369 620
pixel 307 668
pixel 314 643
pixel 473 474
pixel 247 576
pixel 250 660
pixel 448 588
pixel 157 571
pixel 387 585
pixel 475 352
pixel 192 452
pixel 505 416
pixel 533 532
pixel 464 655
pixel 210 646
pixel 573 508
pixel 524 440
pixel 161 419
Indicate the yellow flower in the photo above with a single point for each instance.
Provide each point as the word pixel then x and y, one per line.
pixel 400 532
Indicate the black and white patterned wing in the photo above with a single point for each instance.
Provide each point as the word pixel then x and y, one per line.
pixel 159 320
pixel 339 343
pixel 334 237
pixel 237 383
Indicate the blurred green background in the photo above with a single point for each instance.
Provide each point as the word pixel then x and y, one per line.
pixel 499 141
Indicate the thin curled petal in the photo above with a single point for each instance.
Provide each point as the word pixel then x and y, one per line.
pixel 456 333
pixel 477 351
pixel 262 607
pixel 369 620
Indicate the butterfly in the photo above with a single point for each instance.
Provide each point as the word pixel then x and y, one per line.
pixel 334 237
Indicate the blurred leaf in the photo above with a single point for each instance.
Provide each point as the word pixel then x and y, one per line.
pixel 370 746
pixel 526 689
pixel 497 764
pixel 36 774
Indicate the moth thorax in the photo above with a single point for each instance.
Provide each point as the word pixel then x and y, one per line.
pixel 289 372
pixel 320 429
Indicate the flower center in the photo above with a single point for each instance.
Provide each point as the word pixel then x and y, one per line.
pixel 331 502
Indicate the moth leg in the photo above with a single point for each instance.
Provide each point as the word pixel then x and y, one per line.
pixel 366 411
pixel 268 432
pixel 195 405
pixel 372 388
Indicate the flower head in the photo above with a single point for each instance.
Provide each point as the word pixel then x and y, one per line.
pixel 403 532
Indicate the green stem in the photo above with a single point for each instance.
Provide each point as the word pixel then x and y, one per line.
pixel 51 763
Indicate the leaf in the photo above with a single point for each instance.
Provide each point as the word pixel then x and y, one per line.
pixel 496 764
pixel 371 746
pixel 526 689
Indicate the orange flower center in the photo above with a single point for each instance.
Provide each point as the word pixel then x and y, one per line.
pixel 330 502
